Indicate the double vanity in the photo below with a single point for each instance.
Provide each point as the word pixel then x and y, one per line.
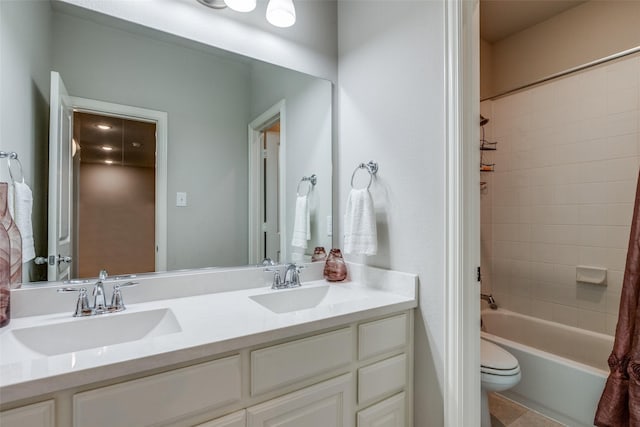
pixel 215 347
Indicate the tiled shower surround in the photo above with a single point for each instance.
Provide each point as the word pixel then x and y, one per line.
pixel 562 193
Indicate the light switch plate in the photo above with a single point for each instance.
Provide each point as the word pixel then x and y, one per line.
pixel 181 199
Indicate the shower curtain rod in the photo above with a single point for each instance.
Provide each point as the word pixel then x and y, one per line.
pixel 566 72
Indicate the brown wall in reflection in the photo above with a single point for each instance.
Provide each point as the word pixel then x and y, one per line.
pixel 116 219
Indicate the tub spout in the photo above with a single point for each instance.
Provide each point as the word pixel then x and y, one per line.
pixel 489 299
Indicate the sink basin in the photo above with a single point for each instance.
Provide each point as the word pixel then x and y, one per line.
pixel 92 332
pixel 288 300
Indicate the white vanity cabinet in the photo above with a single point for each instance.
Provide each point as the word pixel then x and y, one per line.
pixel 356 374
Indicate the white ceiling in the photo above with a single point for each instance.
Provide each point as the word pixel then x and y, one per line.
pixel 502 18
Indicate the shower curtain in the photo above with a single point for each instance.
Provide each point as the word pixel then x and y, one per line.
pixel 619 405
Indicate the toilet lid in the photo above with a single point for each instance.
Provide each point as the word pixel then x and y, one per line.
pixel 496 360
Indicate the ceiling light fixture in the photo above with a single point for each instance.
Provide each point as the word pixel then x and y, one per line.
pixel 241 5
pixel 109 162
pixel 214 4
pixel 281 13
pixel 107 148
pixel 103 127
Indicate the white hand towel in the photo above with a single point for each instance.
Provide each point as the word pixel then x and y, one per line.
pixel 20 207
pixel 301 225
pixel 360 234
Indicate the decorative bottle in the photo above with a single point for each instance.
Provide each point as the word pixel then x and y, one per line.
pixel 335 269
pixel 15 240
pixel 318 254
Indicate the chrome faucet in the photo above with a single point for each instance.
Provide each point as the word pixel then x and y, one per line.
pixel 489 299
pixel 100 305
pixel 292 275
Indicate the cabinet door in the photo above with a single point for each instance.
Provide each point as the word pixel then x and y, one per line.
pixel 237 419
pixel 388 413
pixel 328 404
pixel 36 415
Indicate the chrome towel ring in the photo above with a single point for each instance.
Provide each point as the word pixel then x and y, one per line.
pixel 312 182
pixel 12 155
pixel 371 167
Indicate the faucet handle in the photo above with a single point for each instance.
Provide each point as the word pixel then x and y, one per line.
pixel 298 271
pixel 82 305
pixel 277 280
pixel 117 303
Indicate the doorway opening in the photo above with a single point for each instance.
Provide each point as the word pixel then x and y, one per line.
pixel 267 219
pixel 270 186
pixel 114 182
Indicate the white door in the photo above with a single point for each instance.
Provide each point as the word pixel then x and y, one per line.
pixel 272 196
pixel 327 404
pixel 60 181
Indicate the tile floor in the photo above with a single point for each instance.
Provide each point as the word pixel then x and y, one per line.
pixel 506 413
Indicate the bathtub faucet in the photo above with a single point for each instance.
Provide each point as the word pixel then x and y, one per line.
pixel 489 299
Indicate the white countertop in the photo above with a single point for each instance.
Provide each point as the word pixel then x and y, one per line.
pixel 213 323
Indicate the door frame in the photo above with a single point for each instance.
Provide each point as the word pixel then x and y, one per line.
pixel 87 105
pixel 462 290
pixel 257 125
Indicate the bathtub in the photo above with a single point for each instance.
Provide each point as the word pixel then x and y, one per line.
pixel 564 369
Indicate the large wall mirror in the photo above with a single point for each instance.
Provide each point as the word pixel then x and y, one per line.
pixel 240 137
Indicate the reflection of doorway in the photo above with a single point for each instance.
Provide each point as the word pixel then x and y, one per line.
pixel 267 216
pixel 114 187
pixel 61 205
pixel 270 192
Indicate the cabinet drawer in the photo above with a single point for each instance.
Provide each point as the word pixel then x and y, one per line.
pixel 162 397
pixel 382 378
pixel 37 415
pixel 388 413
pixel 237 419
pixel 295 361
pixel 382 336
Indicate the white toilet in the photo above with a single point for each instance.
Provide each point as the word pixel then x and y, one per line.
pixel 499 371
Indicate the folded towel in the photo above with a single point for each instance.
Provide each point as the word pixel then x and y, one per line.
pixel 301 225
pixel 360 234
pixel 20 207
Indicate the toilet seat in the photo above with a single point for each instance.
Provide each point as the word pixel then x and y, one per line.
pixel 497 361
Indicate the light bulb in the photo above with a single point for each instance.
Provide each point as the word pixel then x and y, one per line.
pixel 241 5
pixel 281 13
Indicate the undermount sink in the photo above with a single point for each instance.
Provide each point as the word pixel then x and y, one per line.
pixel 92 332
pixel 288 300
